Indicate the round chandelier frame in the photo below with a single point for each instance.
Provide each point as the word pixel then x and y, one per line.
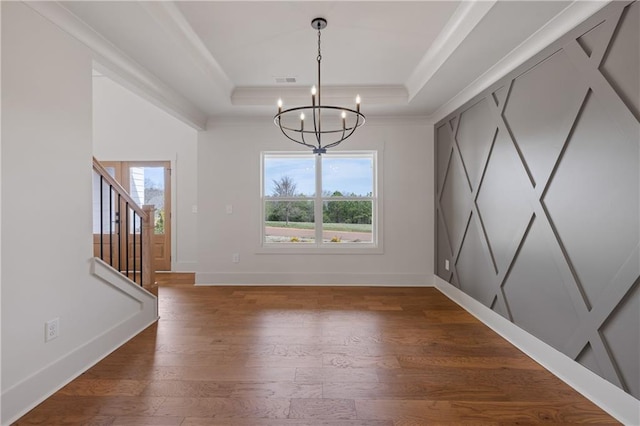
pixel 291 121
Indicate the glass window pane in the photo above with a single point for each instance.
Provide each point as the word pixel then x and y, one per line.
pixel 347 221
pixel 289 176
pixel 347 176
pixel 289 222
pixel 147 187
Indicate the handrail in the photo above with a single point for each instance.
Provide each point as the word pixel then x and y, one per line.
pixel 119 188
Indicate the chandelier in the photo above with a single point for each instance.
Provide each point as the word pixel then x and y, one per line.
pixel 332 123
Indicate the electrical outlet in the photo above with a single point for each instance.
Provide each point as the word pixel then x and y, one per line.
pixel 446 264
pixel 51 329
pixel 235 258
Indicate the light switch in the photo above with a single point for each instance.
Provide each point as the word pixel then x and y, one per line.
pixel 229 209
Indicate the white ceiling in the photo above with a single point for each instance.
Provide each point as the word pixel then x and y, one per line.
pixel 222 58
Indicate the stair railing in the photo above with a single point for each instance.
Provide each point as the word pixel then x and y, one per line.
pixel 123 231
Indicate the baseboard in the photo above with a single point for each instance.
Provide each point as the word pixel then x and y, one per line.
pixel 185 266
pixel 314 279
pixel 24 396
pixel 619 404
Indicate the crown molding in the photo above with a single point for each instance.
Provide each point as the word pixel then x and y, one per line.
pixel 462 22
pixel 117 64
pixel 572 16
pixel 341 95
pixel 176 25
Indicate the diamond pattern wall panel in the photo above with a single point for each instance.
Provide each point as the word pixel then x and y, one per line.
pixel 540 109
pixel 588 359
pixel 502 199
pixel 500 95
pixel 538 196
pixel 475 135
pixel 445 139
pixel 475 269
pixel 455 207
pixel 444 251
pixel 589 40
pixel 618 64
pixel 596 179
pixel 538 300
pixel 500 306
pixel 616 332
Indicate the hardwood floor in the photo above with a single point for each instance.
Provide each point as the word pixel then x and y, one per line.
pixel 348 356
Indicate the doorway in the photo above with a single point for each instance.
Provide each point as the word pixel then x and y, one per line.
pixel 149 182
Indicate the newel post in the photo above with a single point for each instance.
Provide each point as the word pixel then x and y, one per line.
pixel 148 267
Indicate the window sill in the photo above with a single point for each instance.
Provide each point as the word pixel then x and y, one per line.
pixel 298 248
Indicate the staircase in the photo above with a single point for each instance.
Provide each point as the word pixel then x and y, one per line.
pixel 123 230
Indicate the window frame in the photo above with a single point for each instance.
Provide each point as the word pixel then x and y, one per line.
pixel 319 246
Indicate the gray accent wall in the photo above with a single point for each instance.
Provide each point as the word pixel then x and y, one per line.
pixel 538 196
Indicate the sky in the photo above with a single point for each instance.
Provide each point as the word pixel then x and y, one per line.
pixel 156 175
pixel 347 175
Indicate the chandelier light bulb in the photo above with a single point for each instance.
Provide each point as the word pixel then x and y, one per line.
pixel 302 116
pixel 279 106
pixel 314 90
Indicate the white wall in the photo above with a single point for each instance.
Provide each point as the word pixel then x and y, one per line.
pixel 46 216
pixel 129 128
pixel 229 173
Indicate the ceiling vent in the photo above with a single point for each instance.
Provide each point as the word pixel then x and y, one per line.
pixel 285 80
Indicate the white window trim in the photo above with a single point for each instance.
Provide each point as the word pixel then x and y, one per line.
pixel 376 247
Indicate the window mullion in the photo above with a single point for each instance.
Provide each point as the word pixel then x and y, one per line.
pixel 318 216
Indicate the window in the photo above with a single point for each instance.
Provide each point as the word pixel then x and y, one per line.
pixel 319 201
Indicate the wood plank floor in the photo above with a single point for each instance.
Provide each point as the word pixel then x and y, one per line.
pixel 333 356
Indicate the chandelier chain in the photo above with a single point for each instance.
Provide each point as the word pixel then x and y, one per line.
pixel 319 54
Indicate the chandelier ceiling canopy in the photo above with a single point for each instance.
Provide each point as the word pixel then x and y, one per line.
pixel 326 125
